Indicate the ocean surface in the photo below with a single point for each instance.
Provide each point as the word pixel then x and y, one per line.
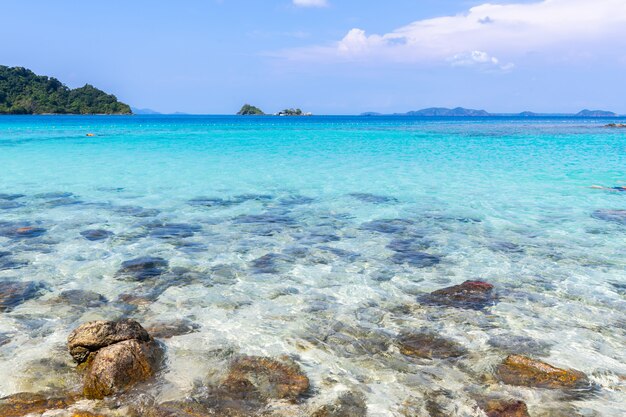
pixel 317 238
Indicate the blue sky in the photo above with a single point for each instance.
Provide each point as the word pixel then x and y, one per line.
pixel 329 56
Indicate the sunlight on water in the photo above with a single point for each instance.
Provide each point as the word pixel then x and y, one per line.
pixel 317 238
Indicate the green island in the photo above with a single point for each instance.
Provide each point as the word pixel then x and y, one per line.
pixel 249 110
pixel 24 92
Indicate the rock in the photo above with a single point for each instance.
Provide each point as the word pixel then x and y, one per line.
pixel 429 346
pixel 266 377
pixel 266 218
pixel 22 231
pixel 82 298
pixel 135 211
pixel 166 330
pixel 470 294
pixel 14 293
pixel 143 268
pixel 54 195
pixel 117 367
pixel 387 226
pixel 521 345
pixel 524 371
pixel 348 404
pixel 616 125
pixel 22 404
pixel 4 339
pixel 10 205
pixel 174 230
pixel 504 408
pixel 96 234
pixel 373 198
pixel 271 263
pixel 615 216
pixel 10 197
pixel 95 335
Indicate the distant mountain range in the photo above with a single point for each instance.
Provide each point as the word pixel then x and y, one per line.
pixel 143 111
pixel 463 112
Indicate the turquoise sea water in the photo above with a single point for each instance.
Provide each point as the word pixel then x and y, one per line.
pixel 305 237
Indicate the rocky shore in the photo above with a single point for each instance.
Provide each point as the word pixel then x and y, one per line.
pixel 118 360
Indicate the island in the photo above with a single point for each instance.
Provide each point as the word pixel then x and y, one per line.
pixel 249 110
pixel 24 92
pixel 293 112
pixel 463 112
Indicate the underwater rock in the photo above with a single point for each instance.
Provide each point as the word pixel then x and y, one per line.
pixel 174 230
pixel 96 234
pixel 387 226
pixel 221 202
pixel 348 404
pixel 504 408
pixel 14 293
pixel 266 378
pixel 166 330
pixel 60 202
pixel 7 263
pixel 524 371
pixel 520 345
pixel 271 263
pixel 295 200
pixel 117 367
pixel 135 211
pixel 373 198
pixel 416 259
pixel 506 247
pixel 82 298
pixel 470 295
pixel 95 335
pixel 4 339
pixel 10 205
pixel 53 195
pixel 266 218
pixel 10 197
pixel 429 345
pixel 25 403
pixel 615 216
pixel 21 232
pixel 143 268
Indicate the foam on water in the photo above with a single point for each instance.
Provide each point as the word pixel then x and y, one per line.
pixel 315 238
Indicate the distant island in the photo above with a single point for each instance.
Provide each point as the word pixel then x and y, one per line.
pixel 24 92
pixel 249 110
pixel 463 112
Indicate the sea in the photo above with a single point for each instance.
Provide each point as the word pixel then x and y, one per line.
pixel 318 239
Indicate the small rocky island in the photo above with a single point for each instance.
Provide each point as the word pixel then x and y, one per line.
pixel 24 92
pixel 249 110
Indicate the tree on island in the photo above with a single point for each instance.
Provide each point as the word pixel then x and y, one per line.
pixel 248 110
pixel 24 92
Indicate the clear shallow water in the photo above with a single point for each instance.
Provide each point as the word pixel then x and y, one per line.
pixel 296 267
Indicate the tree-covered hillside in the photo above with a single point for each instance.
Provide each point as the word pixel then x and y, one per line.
pixel 24 92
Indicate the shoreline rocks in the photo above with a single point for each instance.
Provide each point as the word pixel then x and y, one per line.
pixel 523 371
pixel 116 356
pixel 25 403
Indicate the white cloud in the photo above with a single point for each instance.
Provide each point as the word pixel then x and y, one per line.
pixel 310 3
pixel 553 27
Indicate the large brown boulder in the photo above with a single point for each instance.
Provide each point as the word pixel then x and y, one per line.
pixel 117 367
pixel 266 377
pixel 116 356
pixel 22 404
pixel 92 336
pixel 524 371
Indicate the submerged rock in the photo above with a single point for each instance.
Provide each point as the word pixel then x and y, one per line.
pixel 429 346
pixel 82 298
pixel 524 371
pixel 135 211
pixel 266 378
pixel 93 336
pixel 520 345
pixel 348 404
pixel 615 216
pixel 25 403
pixel 174 230
pixel 22 231
pixel 166 330
pixel 387 226
pixel 96 234
pixel 143 268
pixel 373 198
pixel 10 205
pixel 54 194
pixel 470 294
pixel 504 408
pixel 10 197
pixel 4 339
pixel 266 218
pixel 14 293
pixel 117 367
pixel 271 263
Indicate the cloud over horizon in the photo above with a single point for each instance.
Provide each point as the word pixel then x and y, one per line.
pixel 476 37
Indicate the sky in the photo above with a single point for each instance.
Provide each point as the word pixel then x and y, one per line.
pixel 328 56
